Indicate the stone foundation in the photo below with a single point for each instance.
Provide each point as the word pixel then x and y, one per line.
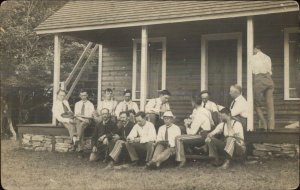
pixel 50 143
pixel 267 150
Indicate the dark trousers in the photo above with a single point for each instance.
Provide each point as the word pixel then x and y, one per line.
pixel 144 150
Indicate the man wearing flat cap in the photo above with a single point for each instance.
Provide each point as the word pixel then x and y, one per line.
pixel 156 107
pixel 165 141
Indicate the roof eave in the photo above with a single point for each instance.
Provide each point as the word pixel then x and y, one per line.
pixel 166 21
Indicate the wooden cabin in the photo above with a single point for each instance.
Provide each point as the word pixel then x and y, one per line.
pixel 182 46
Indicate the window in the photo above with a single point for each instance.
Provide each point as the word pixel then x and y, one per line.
pixel 156 67
pixel 291 64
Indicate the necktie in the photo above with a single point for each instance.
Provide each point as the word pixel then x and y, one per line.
pixel 126 107
pixel 166 134
pixel 204 104
pixel 232 104
pixel 65 107
pixel 82 108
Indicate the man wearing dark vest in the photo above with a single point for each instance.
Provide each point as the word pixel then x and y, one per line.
pixel 123 131
pixel 104 134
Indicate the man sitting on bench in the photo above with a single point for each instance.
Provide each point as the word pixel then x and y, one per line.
pixel 62 112
pixel 84 110
pixel 232 142
pixel 196 128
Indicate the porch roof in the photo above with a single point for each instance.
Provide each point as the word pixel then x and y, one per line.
pixel 93 15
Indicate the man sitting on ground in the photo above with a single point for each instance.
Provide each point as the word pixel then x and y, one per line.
pixel 84 110
pixel 104 134
pixel 196 129
pixel 165 141
pixel 123 132
pixel 141 138
pixel 155 108
pixel 232 143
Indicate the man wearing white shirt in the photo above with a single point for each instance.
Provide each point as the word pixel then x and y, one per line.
pixel 263 86
pixel 239 106
pixel 196 129
pixel 165 141
pixel 127 104
pixel 210 106
pixel 84 110
pixel 61 108
pixel 155 108
pixel 108 102
pixel 141 138
pixel 232 143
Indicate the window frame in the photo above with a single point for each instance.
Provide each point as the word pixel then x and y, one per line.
pixel 163 40
pixel 287 32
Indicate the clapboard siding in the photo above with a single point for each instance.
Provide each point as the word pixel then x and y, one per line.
pixel 183 59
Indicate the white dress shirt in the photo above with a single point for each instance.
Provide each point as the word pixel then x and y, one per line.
pixel 261 63
pixel 110 105
pixel 173 132
pixel 239 106
pixel 58 109
pixel 210 106
pixel 146 133
pixel 237 129
pixel 156 106
pixel 200 119
pixel 88 108
pixel 122 107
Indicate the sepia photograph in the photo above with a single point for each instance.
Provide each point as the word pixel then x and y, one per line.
pixel 150 95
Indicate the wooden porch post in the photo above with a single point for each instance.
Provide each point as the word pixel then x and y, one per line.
pixel 250 34
pixel 56 73
pixel 99 75
pixel 204 65
pixel 144 59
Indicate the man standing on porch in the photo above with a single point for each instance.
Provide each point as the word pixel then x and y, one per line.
pixel 84 110
pixel 239 105
pixel 263 86
pixel 108 103
pixel 62 112
pixel 127 104
pixel 155 108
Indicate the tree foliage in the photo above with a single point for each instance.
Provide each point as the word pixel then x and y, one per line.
pixel 26 59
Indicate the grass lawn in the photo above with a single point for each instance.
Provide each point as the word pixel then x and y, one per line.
pixel 21 169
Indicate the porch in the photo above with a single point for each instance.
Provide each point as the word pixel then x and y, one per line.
pixel 185 55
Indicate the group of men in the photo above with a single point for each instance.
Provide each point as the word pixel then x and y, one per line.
pixel 122 131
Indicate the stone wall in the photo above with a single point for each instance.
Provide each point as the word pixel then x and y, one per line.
pixel 267 150
pixel 50 143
